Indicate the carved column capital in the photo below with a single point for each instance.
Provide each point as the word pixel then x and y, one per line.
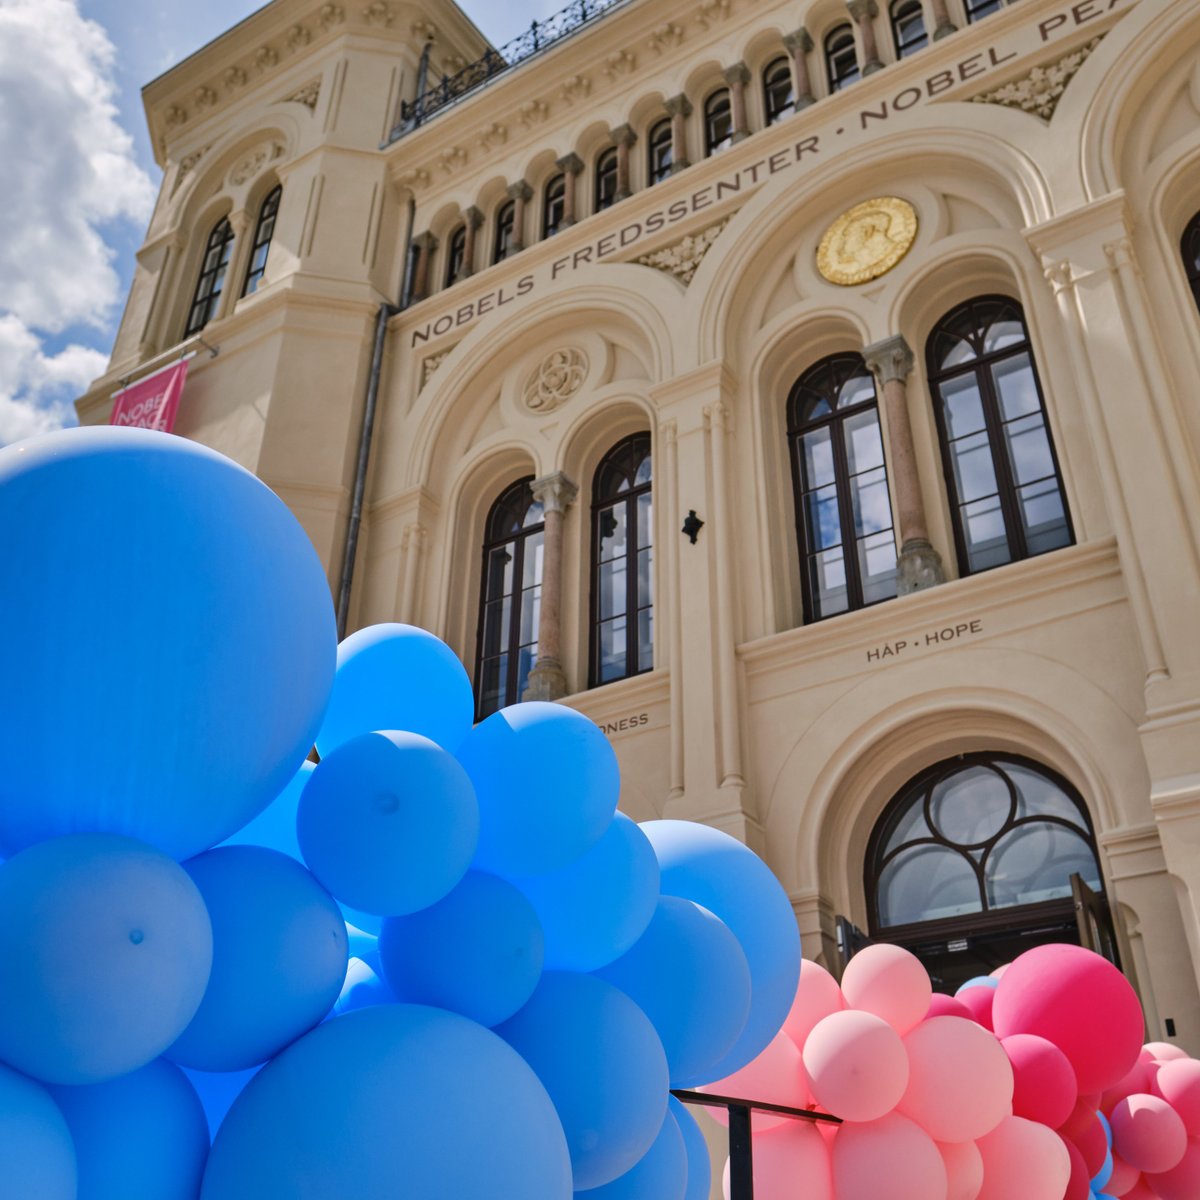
pixel 473 217
pixel 678 106
pixel 862 9
pixel 737 73
pixel 520 190
pixel 889 359
pixel 623 135
pixel 555 493
pixel 798 41
pixel 570 164
pixel 426 241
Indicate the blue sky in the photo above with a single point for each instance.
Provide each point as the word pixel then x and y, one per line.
pixel 80 179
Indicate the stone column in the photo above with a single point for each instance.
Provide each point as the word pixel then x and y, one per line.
pixel 919 565
pixel 473 218
pixel 679 108
pixel 426 244
pixel 864 13
pixel 798 45
pixel 521 193
pixel 737 77
pixel 235 272
pixel 570 165
pixel 624 137
pixel 547 680
pixel 943 26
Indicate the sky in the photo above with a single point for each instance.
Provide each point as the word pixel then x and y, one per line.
pixel 79 180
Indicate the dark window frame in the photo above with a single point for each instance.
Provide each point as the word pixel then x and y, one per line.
pixel 264 231
pixel 659 139
pixel 771 74
pixel 604 195
pixel 213 272
pixel 505 231
pixel 718 110
pixel 976 10
pixel 456 252
pixel 900 11
pixel 1189 248
pixel 554 204
pixel 835 76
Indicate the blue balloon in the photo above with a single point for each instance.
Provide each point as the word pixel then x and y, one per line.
pixel 1104 1124
pixel 363 987
pixel 142 1135
pixel 217 1091
pixel 978 981
pixel 717 872
pixel 603 1065
pixel 388 822
pixel 477 951
pixel 275 826
pixel 595 908
pixel 547 783
pixel 398 677
pixel 206 660
pixel 699 1174
pixel 279 958
pixel 660 1174
pixel 389 1101
pixel 105 949
pixel 688 974
pixel 37 1156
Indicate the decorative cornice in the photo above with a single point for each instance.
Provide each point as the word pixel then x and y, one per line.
pixel 1039 91
pixel 430 365
pixel 710 11
pixel 307 95
pixel 664 37
pixel 683 258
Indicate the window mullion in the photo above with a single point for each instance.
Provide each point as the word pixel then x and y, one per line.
pixel 1005 481
pixel 841 475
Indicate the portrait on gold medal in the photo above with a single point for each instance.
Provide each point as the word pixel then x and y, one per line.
pixel 867 241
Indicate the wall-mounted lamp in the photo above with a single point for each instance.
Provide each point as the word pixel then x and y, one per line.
pixel 692 526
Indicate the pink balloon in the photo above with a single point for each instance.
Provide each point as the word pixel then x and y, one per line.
pixel 1147 1133
pixel 1165 1051
pixel 1141 1191
pixel 978 1001
pixel 1044 1083
pixel 1092 1143
pixel 817 997
pixel 1123 1177
pixel 998 973
pixel 776 1076
pixel 1081 1003
pixel 1023 1160
pixel 889 982
pixel 942 1005
pixel 960 1082
pixel 794 1156
pixel 1182 1181
pixel 1079 1186
pixel 892 1157
pixel 857 1066
pixel 1177 1081
pixel 964 1169
pixel 1139 1078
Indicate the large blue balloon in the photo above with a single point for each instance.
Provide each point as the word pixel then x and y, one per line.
pixel 194 688
pixel 660 1174
pixel 388 822
pixel 688 974
pixel 217 1091
pixel 105 949
pixel 275 826
pixel 37 1157
pixel 477 951
pixel 602 1064
pixel 279 958
pixel 398 677
pixel 142 1135
pixel 398 1100
pixel 717 872
pixel 595 908
pixel 699 1173
pixel 547 783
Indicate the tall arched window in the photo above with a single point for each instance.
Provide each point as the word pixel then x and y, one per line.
pixel 510 598
pixel 623 562
pixel 211 283
pixel 977 9
pixel 908 26
pixel 660 151
pixel 606 179
pixel 718 122
pixel 1002 474
pixel 779 97
pixel 841 57
pixel 554 205
pixel 843 510
pixel 263 232
pixel 456 255
pixel 1190 247
pixel 506 215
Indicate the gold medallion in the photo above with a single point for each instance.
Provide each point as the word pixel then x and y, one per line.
pixel 867 241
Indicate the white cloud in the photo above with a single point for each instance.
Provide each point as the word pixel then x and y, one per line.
pixel 69 173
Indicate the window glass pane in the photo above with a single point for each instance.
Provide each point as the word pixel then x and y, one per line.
pixel 500 567
pixel 777 82
pixel 974 470
pixel 1043 517
pixel 912 825
pixel 642 475
pixel 976 9
pixel 612 530
pixel 611 584
pixel 1039 796
pixel 985 535
pixel 870 506
pixel 971 806
pixel 927 883
pixel 718 122
pixel 526 658
pixel 531 568
pixel 827 574
pixel 877 566
pixel 492 683
pixel 1029 455
pixel 1007 331
pixel 858 389
pixel 824 525
pixel 864 445
pixel 1016 386
pixel 497 617
pixel 817 464
pixel 610 636
pixel 1035 862
pixel 962 405
pixel 645 639
pixel 645 519
pixel 645 578
pixel 531 604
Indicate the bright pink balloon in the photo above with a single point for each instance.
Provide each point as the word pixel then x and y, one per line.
pixel 1165 1051
pixel 964 1169
pixel 1044 1082
pixel 1082 1115
pixel 1079 1186
pixel 892 1157
pixel 1092 1143
pixel 960 1082
pixel 978 1002
pixel 1139 1078
pixel 775 1076
pixel 1141 1191
pixel 1182 1181
pixel 1147 1133
pixel 1081 1003
pixel 1023 1160
pixel 1123 1177
pixel 817 997
pixel 794 1156
pixel 1177 1081
pixel 942 1005
pixel 890 982
pixel 857 1066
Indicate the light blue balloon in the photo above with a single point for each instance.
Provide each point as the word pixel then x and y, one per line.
pixel 978 981
pixel 477 951
pixel 217 1091
pixel 547 783
pixel 688 974
pixel 105 949
pixel 699 1175
pixel 660 1174
pixel 595 908
pixel 398 677
pixel 279 958
pixel 206 658
pixel 603 1065
pixel 363 987
pixel 275 826
pixel 142 1135
pixel 1104 1124
pixel 716 871
pixel 37 1156
pixel 388 822
pixel 1105 1173
pixel 390 1101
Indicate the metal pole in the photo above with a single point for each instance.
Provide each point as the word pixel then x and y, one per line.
pixel 741 1154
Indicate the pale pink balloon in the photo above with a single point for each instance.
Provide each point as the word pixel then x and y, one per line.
pixel 941 1005
pixel 1148 1133
pixel 998 973
pixel 1177 1081
pixel 1023 1160
pixel 960 1082
pixel 791 1158
pixel 889 1159
pixel 817 996
pixel 857 1065
pixel 1044 1087
pixel 889 982
pixel 1139 1078
pixel 1182 1181
pixel 964 1169
pixel 1165 1051
pixel 776 1076
pixel 1123 1177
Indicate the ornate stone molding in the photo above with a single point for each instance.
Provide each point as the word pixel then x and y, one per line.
pixel 452 158
pixel 424 31
pixel 624 62
pixel 250 165
pixel 234 78
pixel 416 178
pixel 298 37
pixel 265 57
pixel 891 358
pixel 1039 91
pixel 430 365
pixel 555 493
pixel 186 165
pixel 533 112
pixel 664 37
pixel 204 98
pixel 683 258
pixel 378 14
pixel 493 135
pixel 557 378
pixel 710 11
pixel 576 88
pixel 307 95
pixel 329 15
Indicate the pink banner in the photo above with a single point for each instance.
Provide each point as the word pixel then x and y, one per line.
pixel 151 403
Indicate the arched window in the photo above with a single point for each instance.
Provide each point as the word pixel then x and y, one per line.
pixel 718 122
pixel 456 255
pixel 841 58
pixel 212 277
pixel 505 217
pixel 623 562
pixel 263 232
pixel 1191 255
pixel 606 179
pixel 908 26
pixel 843 510
pixel 554 205
pixel 977 9
pixel 660 150
pixel 779 97
pixel 972 861
pixel 510 598
pixel 1005 490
